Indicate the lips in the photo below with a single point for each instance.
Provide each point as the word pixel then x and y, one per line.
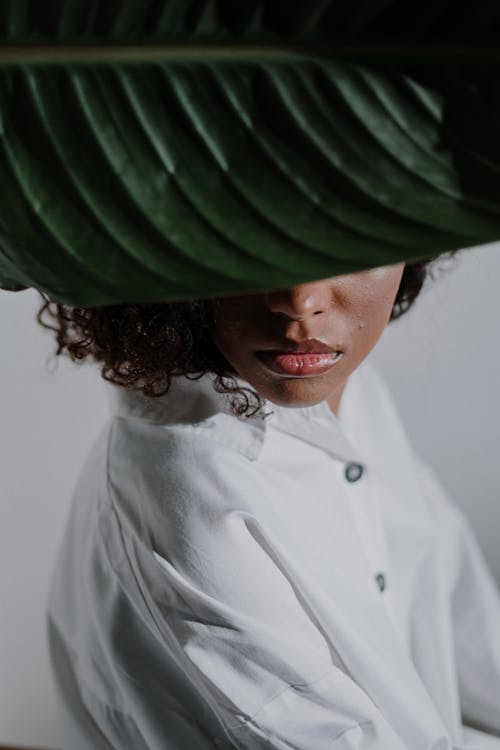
pixel 300 359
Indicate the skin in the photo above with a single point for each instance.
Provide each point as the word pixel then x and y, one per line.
pixel 348 313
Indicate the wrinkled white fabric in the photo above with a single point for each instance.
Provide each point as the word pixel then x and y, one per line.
pixel 221 584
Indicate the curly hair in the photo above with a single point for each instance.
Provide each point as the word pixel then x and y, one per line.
pixel 142 346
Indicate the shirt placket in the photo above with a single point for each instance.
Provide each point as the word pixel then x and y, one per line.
pixel 364 505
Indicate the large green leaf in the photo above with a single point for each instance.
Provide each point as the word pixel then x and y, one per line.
pixel 162 150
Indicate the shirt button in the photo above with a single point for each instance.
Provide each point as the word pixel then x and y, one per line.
pixel 353 472
pixel 380 578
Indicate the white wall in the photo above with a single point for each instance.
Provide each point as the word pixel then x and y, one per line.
pixel 442 361
pixel 47 423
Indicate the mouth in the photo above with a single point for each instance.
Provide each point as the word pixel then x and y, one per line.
pixel 300 359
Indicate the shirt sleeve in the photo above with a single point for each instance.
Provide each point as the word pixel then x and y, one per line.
pixel 228 596
pixel 475 609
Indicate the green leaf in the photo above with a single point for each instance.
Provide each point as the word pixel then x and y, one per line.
pixel 152 151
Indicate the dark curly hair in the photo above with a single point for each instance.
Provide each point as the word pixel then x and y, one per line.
pixel 142 346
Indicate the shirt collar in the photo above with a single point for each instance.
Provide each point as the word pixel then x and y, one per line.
pixel 195 402
pixel 316 425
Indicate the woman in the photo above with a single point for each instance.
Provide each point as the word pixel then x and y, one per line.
pixel 256 558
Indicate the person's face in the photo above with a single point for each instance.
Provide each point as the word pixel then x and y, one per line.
pixel 297 347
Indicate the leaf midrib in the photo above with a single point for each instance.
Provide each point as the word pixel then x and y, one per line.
pixel 97 52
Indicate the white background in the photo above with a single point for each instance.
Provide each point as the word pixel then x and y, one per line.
pixel 441 360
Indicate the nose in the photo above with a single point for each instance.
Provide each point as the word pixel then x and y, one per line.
pixel 300 302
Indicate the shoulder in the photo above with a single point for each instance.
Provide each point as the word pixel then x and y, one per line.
pixel 372 415
pixel 179 451
pixel 367 393
pixel 380 403
pixel 443 510
pixel 178 477
pixel 371 420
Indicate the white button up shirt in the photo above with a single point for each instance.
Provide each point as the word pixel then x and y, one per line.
pixel 298 581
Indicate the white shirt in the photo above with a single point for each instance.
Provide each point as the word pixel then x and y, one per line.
pixel 222 584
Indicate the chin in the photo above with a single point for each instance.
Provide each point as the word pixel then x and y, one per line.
pixel 297 393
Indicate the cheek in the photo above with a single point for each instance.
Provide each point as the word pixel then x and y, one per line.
pixel 373 305
pixel 231 327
